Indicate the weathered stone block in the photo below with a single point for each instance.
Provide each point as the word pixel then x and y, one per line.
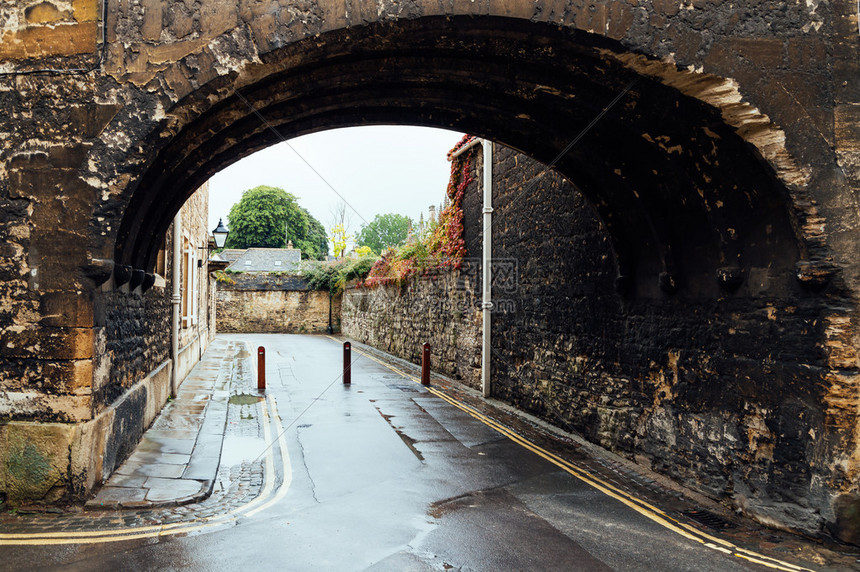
pixel 334 15
pixel 767 53
pixel 511 8
pixel 217 18
pixel 45 13
pixel 620 20
pixel 47 343
pixel 667 7
pixel 177 79
pixel 86 460
pixel 34 460
pixel 49 41
pixel 806 52
pixel 152 19
pixel 86 10
pixel 847 525
pixel 66 309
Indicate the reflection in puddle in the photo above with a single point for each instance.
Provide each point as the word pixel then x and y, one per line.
pixel 238 449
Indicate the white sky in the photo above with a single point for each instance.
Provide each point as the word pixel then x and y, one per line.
pixel 378 170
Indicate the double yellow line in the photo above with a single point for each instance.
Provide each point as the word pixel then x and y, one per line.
pixel 270 495
pixel 639 505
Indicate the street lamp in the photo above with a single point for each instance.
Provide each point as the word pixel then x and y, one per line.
pixel 219 235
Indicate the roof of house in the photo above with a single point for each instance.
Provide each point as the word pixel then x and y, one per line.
pixel 267 260
pixel 231 254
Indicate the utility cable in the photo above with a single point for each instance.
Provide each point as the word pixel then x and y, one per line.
pixel 528 187
pixel 284 140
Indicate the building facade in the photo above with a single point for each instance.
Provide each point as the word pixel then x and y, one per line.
pixel 59 442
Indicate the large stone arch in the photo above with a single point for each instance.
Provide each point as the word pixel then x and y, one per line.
pixel 532 86
pixel 733 149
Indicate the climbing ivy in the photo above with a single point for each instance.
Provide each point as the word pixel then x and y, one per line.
pixel 443 245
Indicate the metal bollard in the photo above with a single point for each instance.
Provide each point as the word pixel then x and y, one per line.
pixel 347 359
pixel 261 368
pixel 425 364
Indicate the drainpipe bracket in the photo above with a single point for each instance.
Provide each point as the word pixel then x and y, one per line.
pixel 487 305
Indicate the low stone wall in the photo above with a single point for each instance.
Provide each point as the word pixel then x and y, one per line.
pixel 255 303
pixel 441 309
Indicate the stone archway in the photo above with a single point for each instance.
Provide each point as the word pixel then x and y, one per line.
pixel 716 161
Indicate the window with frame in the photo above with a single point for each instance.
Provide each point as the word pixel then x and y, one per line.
pixel 189 283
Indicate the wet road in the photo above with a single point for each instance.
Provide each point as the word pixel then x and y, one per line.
pixel 383 475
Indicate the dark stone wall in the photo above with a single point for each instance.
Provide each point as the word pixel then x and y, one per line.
pixel 137 338
pixel 440 308
pixel 722 393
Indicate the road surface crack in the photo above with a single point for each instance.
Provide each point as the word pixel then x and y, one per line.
pixel 305 462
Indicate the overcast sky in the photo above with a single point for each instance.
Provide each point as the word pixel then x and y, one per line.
pixel 377 170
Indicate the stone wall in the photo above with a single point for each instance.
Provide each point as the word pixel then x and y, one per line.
pixel 719 393
pixel 51 453
pixel 269 303
pixel 439 308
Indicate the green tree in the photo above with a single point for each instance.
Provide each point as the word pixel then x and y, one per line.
pixel 263 214
pixel 315 244
pixel 384 231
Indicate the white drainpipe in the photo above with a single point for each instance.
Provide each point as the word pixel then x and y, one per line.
pixel 472 142
pixel 487 303
pixel 176 300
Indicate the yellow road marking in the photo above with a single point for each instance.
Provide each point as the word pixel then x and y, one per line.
pixel 641 506
pixel 133 533
pixel 287 467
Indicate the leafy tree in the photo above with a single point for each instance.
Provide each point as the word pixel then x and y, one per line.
pixel 315 243
pixel 338 240
pixel 263 214
pixel 383 232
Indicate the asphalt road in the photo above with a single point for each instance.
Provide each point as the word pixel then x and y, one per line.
pixel 383 475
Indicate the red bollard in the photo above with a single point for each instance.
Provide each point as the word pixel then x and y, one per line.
pixel 425 364
pixel 261 368
pixel 347 359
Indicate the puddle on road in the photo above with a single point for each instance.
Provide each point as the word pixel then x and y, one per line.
pixel 244 399
pixel 238 449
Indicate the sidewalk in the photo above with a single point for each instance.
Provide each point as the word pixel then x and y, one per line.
pixel 177 460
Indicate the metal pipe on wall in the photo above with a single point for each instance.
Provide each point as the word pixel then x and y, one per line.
pixel 486 266
pixel 175 301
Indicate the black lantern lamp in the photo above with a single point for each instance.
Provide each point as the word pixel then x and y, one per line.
pixel 219 235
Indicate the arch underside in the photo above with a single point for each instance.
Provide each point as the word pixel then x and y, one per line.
pixel 688 204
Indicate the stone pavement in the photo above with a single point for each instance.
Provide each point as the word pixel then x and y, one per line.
pixel 176 462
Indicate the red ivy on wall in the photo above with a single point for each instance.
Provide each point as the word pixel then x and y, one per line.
pixel 446 243
pixel 445 246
